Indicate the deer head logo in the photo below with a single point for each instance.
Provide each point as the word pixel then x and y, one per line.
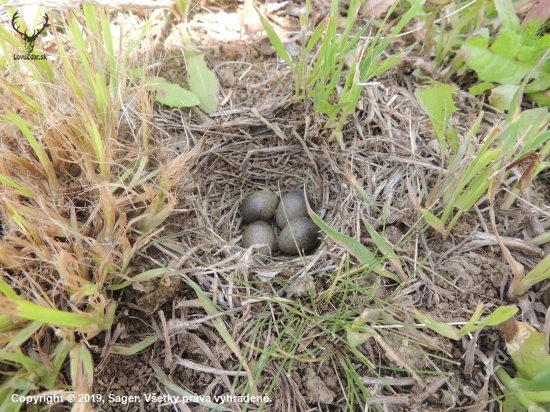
pixel 29 40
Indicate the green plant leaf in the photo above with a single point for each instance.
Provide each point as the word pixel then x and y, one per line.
pixel 354 247
pixel 432 220
pixel 202 80
pixel 481 88
pixel 60 355
pixel 22 190
pixel 386 249
pixel 442 328
pixel 516 400
pixel 16 306
pixel 542 98
pixel 135 348
pixel 507 15
pixel 437 102
pixel 536 275
pixel 471 325
pixel 527 348
pixel 500 315
pixel 356 338
pixel 541 382
pixel 502 96
pixel 277 44
pixel 151 82
pixel 173 95
pixel 499 63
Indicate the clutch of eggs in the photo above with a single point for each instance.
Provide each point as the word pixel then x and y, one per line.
pixel 299 232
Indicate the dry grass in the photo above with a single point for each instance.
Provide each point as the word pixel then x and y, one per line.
pixel 87 183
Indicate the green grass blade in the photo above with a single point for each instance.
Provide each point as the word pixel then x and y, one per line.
pixel 31 311
pixel 136 348
pixel 22 190
pixel 277 44
pixel 36 147
pixel 442 328
pixel 354 247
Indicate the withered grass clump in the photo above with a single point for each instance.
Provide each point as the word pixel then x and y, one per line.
pixel 83 186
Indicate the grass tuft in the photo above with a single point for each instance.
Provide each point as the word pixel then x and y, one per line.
pixel 78 198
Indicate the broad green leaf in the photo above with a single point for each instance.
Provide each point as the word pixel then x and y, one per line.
pixel 541 382
pixel 507 15
pixel 202 80
pixel 356 338
pixel 541 44
pixel 492 67
pixel 151 82
pixel 516 400
pixel 507 44
pixel 542 98
pixel 173 95
pixel 500 315
pixel 31 311
pixel 481 88
pixel 437 102
pixel 541 397
pixel 502 96
pixel 527 348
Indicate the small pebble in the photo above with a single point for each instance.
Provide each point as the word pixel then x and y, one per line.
pixel 292 206
pixel 305 233
pixel 260 233
pixel 259 206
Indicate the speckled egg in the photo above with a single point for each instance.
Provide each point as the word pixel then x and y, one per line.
pixel 305 233
pixel 292 206
pixel 260 233
pixel 259 206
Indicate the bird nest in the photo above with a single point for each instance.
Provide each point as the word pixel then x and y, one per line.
pixel 253 153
